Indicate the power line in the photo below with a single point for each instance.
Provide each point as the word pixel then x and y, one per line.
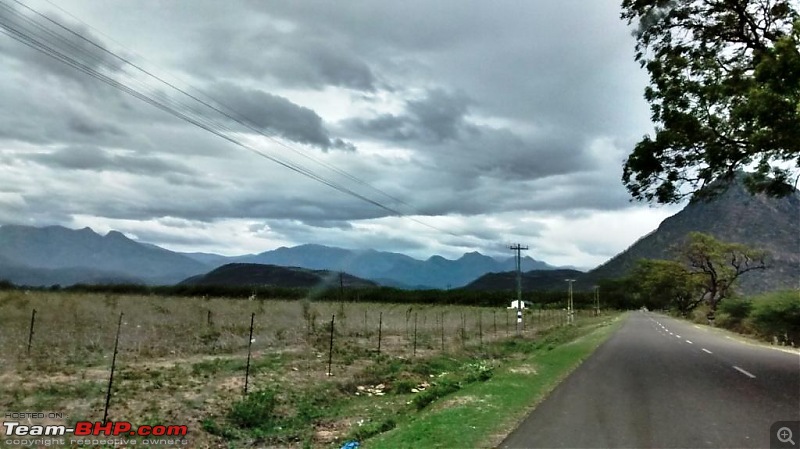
pixel 188 113
pixel 232 115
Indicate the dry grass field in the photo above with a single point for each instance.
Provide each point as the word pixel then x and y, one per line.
pixel 182 361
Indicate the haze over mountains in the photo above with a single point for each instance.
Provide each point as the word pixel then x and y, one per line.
pixel 393 269
pixel 58 255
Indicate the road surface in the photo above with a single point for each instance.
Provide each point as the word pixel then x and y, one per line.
pixel 662 382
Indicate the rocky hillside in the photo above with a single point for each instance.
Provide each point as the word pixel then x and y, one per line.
pixel 251 274
pixel 735 215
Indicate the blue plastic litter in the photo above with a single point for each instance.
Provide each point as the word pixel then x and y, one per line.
pixel 351 445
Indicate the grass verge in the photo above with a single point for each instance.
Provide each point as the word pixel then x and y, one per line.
pixel 481 414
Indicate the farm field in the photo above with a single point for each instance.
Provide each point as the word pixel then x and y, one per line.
pixel 182 361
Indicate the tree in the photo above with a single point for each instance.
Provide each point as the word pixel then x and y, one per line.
pixel 724 93
pixel 667 283
pixel 718 264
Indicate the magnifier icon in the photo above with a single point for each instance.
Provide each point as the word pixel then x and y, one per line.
pixel 785 435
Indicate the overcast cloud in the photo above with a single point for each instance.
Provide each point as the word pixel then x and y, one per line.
pixel 490 122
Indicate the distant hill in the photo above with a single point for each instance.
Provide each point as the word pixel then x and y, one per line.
pixel 38 277
pixel 392 268
pixel 535 280
pixel 735 215
pixel 58 255
pixel 249 274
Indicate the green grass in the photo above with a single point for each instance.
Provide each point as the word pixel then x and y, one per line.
pixel 483 412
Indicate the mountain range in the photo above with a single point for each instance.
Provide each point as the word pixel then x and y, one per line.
pixel 393 269
pixel 58 255
pixel 734 215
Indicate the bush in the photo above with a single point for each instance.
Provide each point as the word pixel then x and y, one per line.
pixel 477 372
pixel 440 389
pixel 255 411
pixel 736 308
pixel 373 428
pixel 777 316
pixel 733 313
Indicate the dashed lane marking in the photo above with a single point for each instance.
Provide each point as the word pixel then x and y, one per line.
pixel 744 372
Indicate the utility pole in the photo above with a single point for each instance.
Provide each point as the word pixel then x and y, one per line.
pixel 570 305
pixel 519 248
pixel 596 300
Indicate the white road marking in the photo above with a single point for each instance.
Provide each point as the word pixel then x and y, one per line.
pixel 687 341
pixel 677 335
pixel 744 372
pixel 706 350
pixel 671 333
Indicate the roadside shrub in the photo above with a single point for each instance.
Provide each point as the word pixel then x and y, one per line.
pixel 403 386
pixel 776 315
pixel 373 428
pixel 733 313
pixel 477 372
pixel 736 308
pixel 256 411
pixel 440 389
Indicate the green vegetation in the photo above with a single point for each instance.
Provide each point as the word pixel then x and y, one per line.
pixel 479 414
pixel 544 299
pixel 705 271
pixel 774 316
pixel 182 360
pixel 724 93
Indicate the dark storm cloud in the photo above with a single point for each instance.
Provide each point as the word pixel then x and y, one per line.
pixel 277 114
pixel 20 24
pixel 436 118
pixel 438 124
pixel 96 159
pixel 305 56
pixel 484 111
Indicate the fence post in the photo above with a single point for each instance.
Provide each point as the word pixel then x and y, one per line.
pixel 480 328
pixel 30 333
pixel 415 334
pixel 442 327
pixel 113 367
pixel 463 330
pixel 330 350
pixel 380 328
pixel 249 347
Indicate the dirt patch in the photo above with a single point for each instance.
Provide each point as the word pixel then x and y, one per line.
pixel 459 401
pixel 330 431
pixel 524 369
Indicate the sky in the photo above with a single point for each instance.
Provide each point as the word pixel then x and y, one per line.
pixel 448 127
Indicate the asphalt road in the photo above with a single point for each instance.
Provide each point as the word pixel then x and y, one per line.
pixel 662 382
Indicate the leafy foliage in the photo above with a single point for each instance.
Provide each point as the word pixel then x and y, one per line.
pixel 668 284
pixel 719 264
pixel 256 411
pixel 777 315
pixel 705 270
pixel 724 92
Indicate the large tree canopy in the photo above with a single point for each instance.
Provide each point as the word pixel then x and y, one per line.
pixel 724 94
